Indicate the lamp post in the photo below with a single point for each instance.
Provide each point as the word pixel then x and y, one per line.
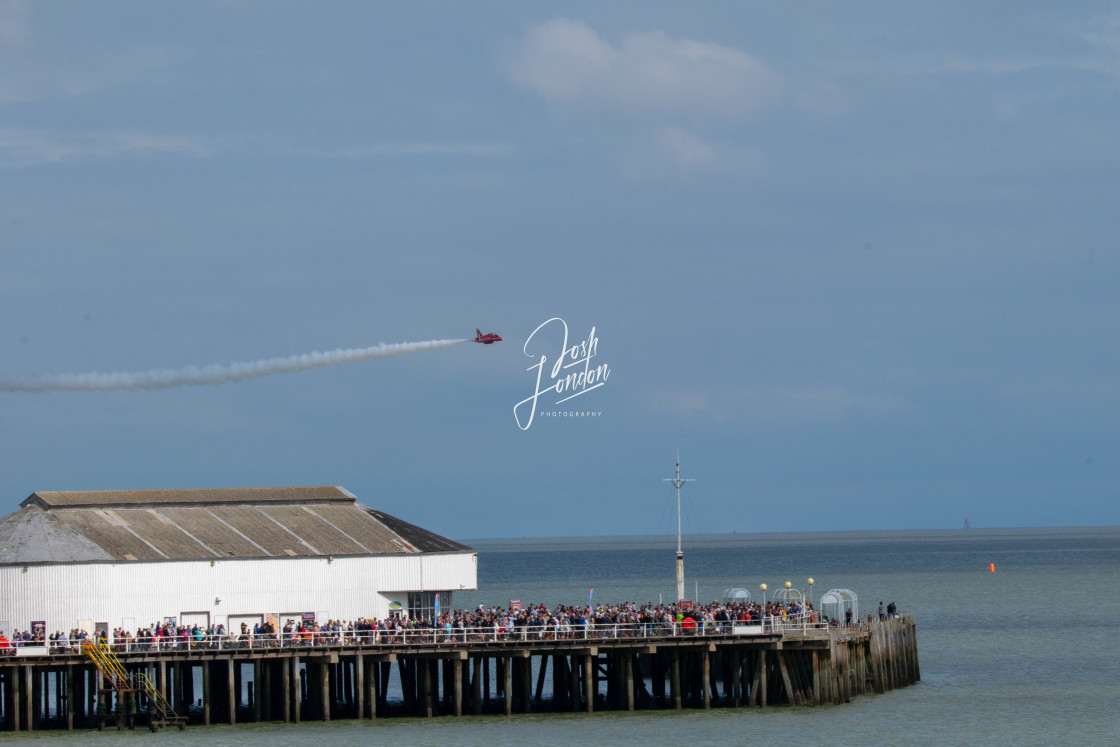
pixel 810 591
pixel 763 588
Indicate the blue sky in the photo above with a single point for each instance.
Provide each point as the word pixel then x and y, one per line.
pixel 860 260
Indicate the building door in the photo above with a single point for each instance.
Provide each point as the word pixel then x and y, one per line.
pixel 250 621
pixel 190 619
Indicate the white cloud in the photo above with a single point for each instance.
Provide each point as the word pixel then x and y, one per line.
pixel 683 149
pixel 670 152
pixel 30 146
pixel 567 62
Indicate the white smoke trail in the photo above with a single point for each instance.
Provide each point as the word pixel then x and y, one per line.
pixel 214 375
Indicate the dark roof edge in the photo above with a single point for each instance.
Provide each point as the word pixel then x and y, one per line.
pixel 208 559
pixel 416 536
pixel 35 500
pixel 191 497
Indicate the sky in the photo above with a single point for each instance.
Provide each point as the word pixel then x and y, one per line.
pixel 861 261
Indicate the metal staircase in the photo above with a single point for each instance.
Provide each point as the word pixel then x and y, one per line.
pixel 128 685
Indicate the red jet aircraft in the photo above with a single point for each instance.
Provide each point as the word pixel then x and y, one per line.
pixel 487 339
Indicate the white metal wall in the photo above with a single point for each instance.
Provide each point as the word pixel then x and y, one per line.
pixel 346 588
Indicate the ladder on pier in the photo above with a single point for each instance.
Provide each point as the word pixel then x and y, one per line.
pixel 125 683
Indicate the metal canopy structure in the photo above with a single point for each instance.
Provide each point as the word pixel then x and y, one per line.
pixel 835 602
pixel 789 596
pixel 736 595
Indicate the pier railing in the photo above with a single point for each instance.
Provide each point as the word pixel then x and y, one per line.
pixel 793 625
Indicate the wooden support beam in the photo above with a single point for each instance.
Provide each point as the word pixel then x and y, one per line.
pixel 457 694
pixel 233 694
pixel 559 681
pixel 96 697
pixel 29 698
pixel 296 691
pixel 359 686
pixel 816 678
pixel 373 685
pixel 736 661
pixel 206 693
pixel 762 680
pixel 526 666
pixel 257 691
pixel 59 694
pixel 706 678
pixel 627 660
pixel 791 693
pixel 573 683
pixel 507 683
pixel 486 677
pixel 588 684
pixel 69 702
pixel 540 678
pixel 476 684
pixel 78 696
pixel 11 697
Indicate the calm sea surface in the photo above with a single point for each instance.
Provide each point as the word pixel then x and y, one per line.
pixel 1027 655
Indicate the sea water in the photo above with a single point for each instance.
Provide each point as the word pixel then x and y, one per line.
pixel 1024 655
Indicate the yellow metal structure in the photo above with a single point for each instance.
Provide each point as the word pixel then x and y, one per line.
pixel 118 678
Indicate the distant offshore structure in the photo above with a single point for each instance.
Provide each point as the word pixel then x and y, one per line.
pixel 967 525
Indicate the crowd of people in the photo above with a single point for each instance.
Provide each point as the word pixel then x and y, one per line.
pixel 536 622
pixel 19 639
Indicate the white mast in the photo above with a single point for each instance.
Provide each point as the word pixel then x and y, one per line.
pixel 678 482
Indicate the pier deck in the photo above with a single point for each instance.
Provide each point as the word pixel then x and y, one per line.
pixel 432 674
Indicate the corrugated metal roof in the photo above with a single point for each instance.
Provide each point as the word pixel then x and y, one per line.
pixel 32 535
pixel 205 524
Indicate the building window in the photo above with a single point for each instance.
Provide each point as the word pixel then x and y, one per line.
pixel 422 604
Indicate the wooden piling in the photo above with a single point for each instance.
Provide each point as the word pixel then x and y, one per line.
pixel 29 698
pixel 573 683
pixel 476 685
pixel 589 682
pixel 457 680
pixel 628 677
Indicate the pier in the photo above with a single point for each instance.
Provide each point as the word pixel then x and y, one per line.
pixel 452 673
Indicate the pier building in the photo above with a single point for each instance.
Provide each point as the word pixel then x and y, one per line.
pixel 126 559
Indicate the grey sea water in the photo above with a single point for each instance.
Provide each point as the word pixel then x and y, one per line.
pixel 1027 655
